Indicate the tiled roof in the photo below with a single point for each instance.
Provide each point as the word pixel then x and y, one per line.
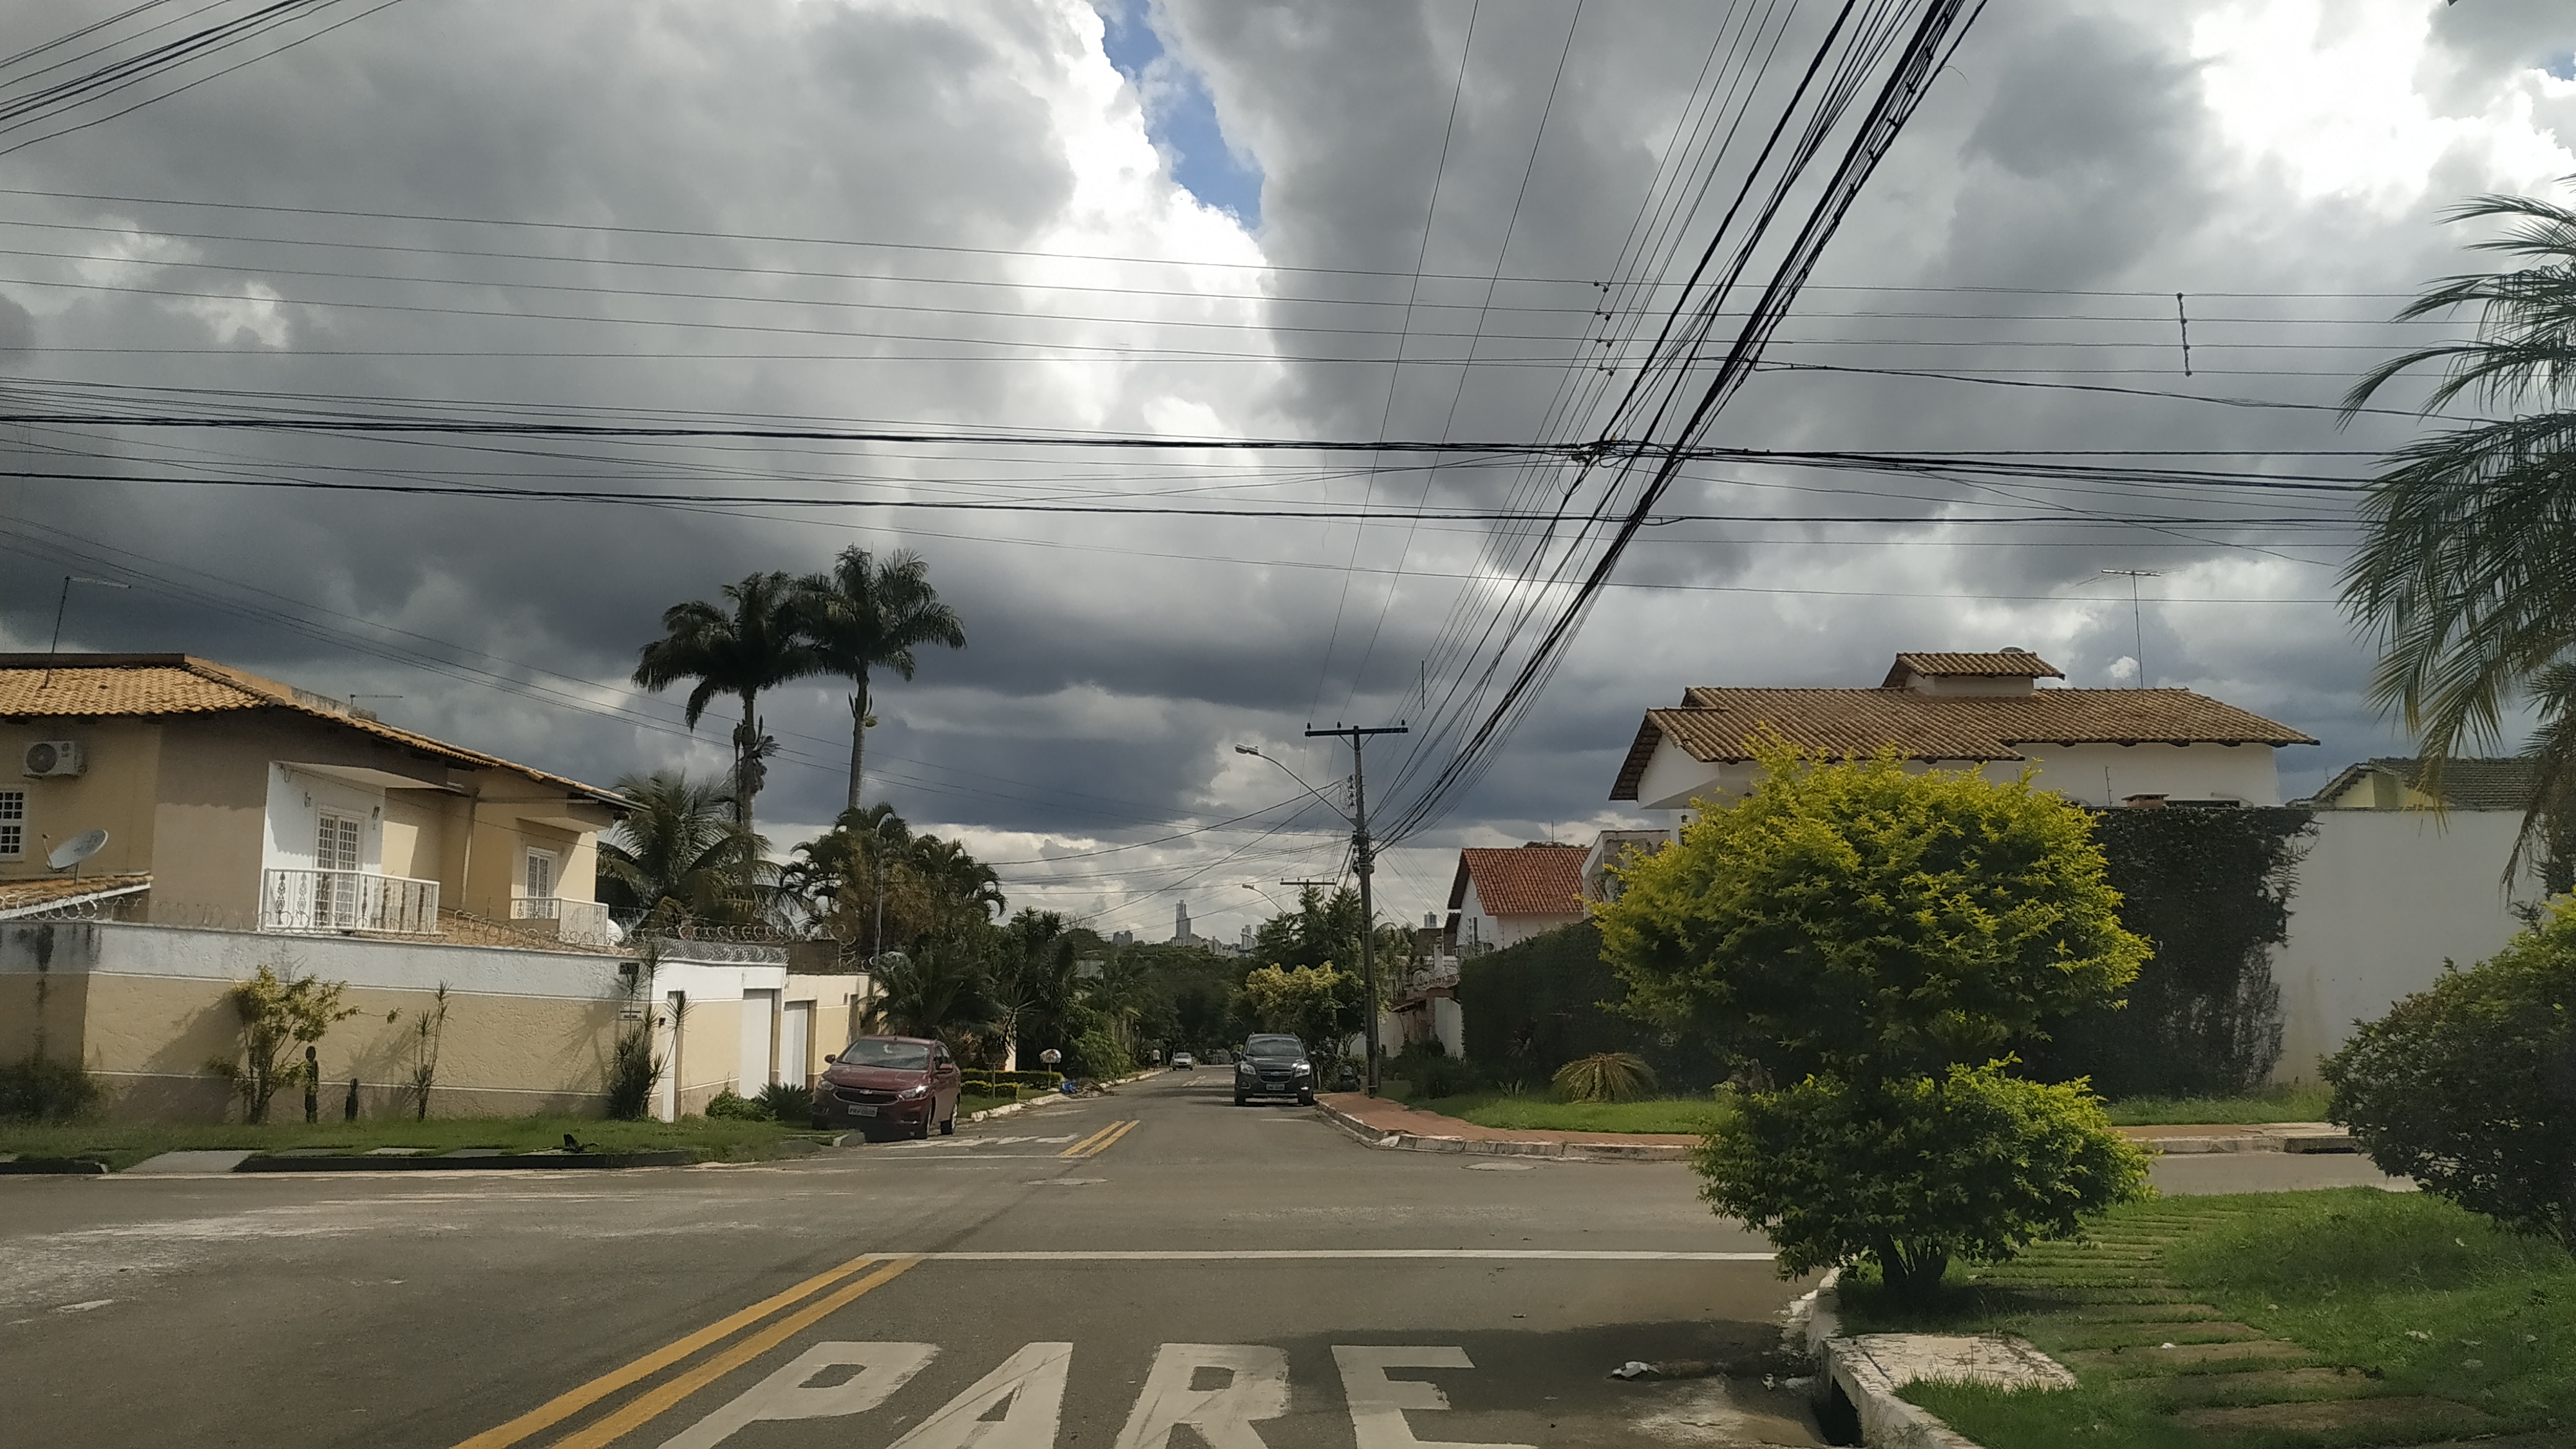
pixel 2003 664
pixel 56 892
pixel 1526 880
pixel 1720 725
pixel 2466 784
pixel 91 685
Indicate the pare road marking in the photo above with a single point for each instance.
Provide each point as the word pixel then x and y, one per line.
pixel 1250 1387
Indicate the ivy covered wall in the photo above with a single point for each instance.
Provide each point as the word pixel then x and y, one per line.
pixel 2211 889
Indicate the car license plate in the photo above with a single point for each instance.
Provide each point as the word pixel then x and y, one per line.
pixel 862 1109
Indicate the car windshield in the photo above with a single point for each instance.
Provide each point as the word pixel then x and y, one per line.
pixel 1274 1047
pixel 909 1056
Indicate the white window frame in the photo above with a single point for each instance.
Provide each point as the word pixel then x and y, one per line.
pixel 13 824
pixel 528 873
pixel 353 833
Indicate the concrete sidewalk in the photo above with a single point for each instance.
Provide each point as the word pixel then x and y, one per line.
pixel 1383 1123
pixel 2243 1137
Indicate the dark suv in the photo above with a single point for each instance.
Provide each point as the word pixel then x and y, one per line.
pixel 886 1085
pixel 1274 1066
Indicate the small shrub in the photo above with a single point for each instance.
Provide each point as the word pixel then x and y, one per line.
pixel 733 1106
pixel 786 1102
pixel 1606 1077
pixel 1444 1076
pixel 633 1072
pixel 41 1089
pixel 280 1015
pixel 2470 1088
pixel 1916 1171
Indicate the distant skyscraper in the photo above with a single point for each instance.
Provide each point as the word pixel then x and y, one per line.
pixel 1181 935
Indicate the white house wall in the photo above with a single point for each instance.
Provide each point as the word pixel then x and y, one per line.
pixel 296 800
pixel 2108 774
pixel 2384 896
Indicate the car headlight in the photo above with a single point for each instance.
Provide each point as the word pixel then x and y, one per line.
pixel 1305 1069
pixel 912 1094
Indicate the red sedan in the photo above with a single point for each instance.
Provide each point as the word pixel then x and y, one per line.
pixel 887 1085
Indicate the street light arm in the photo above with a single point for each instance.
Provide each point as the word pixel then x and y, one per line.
pixel 1293 775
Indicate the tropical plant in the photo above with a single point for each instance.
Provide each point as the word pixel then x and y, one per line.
pixel 867 614
pixel 730 1105
pixel 281 1014
pixel 938 990
pixel 2467 567
pixel 786 1102
pixel 1911 1172
pixel 680 856
pixel 1865 920
pixel 634 1070
pixel 1606 1077
pixel 752 648
pixel 2470 1087
pixel 428 1032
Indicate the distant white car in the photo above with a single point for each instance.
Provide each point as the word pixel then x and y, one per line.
pixel 1181 1060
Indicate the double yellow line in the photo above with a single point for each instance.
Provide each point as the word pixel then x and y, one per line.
pixel 1100 1141
pixel 642 1409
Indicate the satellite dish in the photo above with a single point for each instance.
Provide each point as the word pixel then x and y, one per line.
pixel 69 854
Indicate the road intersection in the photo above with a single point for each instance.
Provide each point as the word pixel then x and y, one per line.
pixel 1148 1268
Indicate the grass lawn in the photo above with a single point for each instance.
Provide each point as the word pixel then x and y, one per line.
pixel 1494 1109
pixel 121 1145
pixel 970 1104
pixel 2279 1104
pixel 2333 1318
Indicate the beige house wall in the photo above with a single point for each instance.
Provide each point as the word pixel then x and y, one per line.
pixel 144 1007
pixel 187 798
pixel 115 794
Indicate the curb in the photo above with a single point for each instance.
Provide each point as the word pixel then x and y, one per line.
pixel 1007 1108
pixel 521 1161
pixel 1848 1367
pixel 53 1167
pixel 1368 1136
pixel 2273 1137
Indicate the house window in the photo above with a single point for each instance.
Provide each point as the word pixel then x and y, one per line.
pixel 13 824
pixel 336 844
pixel 541 873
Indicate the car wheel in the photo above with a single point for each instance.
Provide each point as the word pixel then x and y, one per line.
pixel 949 1127
pixel 1241 1100
pixel 922 1132
pixel 1305 1099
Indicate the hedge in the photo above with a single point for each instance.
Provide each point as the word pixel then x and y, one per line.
pixel 1531 1008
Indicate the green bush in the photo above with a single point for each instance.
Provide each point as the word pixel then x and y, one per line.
pixel 633 1072
pixel 1913 1172
pixel 786 1102
pixel 731 1105
pixel 1606 1077
pixel 2470 1088
pixel 41 1089
pixel 1533 1007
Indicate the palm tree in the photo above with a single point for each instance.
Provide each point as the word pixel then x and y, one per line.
pixel 868 614
pixel 755 647
pixel 2467 570
pixel 679 856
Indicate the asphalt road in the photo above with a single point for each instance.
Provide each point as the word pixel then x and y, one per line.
pixel 1236 1278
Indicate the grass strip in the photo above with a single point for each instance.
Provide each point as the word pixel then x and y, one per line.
pixel 2279 1104
pixel 2375 1318
pixel 1692 1115
pixel 121 1145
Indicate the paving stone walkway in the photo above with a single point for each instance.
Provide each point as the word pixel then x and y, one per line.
pixel 2223 1382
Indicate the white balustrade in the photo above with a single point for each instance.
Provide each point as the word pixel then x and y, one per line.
pixel 583 923
pixel 347 900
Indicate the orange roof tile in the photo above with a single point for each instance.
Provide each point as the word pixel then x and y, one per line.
pixel 91 685
pixel 1720 725
pixel 2002 664
pixel 1526 880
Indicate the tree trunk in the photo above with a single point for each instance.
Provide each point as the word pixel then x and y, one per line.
pixel 858 736
pixel 746 740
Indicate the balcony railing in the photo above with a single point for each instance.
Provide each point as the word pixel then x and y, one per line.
pixel 347 900
pixel 584 923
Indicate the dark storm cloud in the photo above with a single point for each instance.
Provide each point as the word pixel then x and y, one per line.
pixel 1113 663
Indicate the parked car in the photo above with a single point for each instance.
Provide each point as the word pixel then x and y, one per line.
pixel 1183 1061
pixel 1274 1066
pixel 888 1086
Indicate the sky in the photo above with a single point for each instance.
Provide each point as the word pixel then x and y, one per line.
pixel 1206 221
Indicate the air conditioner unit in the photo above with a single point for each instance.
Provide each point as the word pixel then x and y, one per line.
pixel 53 760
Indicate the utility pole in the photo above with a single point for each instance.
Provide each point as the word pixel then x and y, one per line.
pixel 1364 859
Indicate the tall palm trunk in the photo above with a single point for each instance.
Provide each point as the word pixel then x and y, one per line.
pixel 746 753
pixel 858 736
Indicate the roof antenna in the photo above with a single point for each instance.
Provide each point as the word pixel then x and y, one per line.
pixel 2137 618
